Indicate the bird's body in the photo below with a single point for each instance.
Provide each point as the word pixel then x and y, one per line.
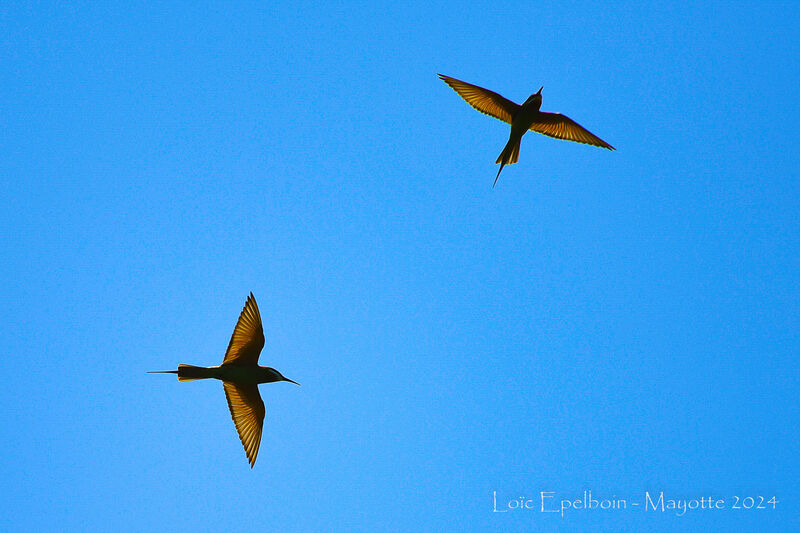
pixel 522 118
pixel 240 376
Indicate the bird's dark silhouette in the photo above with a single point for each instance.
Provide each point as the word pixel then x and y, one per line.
pixel 522 118
pixel 240 376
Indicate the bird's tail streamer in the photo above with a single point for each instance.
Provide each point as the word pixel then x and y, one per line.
pixel 189 372
pixel 509 155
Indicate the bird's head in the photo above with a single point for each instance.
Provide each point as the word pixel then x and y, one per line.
pixel 535 97
pixel 277 376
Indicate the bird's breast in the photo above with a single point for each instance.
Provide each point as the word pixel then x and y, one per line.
pixel 526 116
pixel 240 374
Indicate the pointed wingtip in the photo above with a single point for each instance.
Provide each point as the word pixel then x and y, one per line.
pixel 251 298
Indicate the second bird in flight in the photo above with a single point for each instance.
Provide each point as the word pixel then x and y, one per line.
pixel 522 118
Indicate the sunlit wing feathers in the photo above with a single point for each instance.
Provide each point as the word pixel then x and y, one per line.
pixel 248 336
pixel 483 100
pixel 247 411
pixel 562 127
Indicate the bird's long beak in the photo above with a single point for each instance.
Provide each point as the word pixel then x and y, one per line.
pixel 291 381
pixel 540 89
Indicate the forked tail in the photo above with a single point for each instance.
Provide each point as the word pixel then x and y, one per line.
pixel 508 156
pixel 188 372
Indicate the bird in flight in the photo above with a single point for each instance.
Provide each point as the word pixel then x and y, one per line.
pixel 522 118
pixel 240 376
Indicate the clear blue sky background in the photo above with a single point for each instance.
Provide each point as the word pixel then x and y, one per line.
pixel 618 322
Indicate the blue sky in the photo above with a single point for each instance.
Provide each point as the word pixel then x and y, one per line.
pixel 622 322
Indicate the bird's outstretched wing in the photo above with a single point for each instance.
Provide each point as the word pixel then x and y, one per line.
pixel 483 100
pixel 248 336
pixel 562 127
pixel 247 411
